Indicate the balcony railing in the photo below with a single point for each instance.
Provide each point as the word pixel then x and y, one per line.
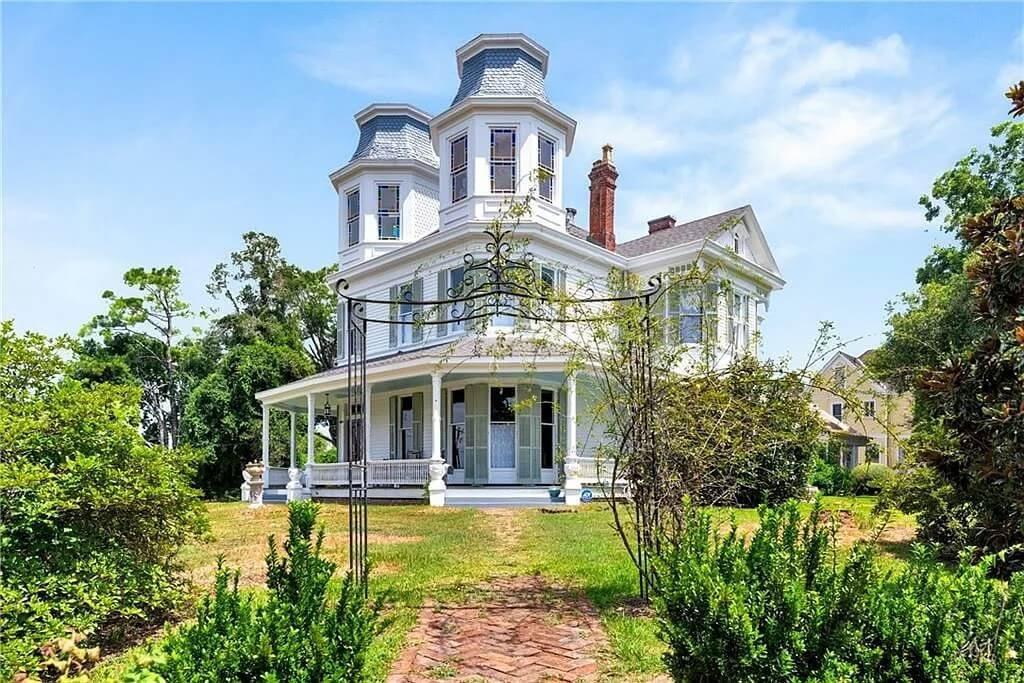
pixel 597 471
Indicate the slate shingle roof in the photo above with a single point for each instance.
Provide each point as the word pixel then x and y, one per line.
pixel 396 136
pixel 700 229
pixel 501 72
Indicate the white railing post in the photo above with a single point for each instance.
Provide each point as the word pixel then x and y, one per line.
pixel 294 487
pixel 266 437
pixel 310 435
pixel 572 485
pixel 436 470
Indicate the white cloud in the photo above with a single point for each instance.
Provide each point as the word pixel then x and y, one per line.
pixel 351 55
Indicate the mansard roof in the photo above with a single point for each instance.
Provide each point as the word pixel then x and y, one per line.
pixel 501 65
pixel 394 132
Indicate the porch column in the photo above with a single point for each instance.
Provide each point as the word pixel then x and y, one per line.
pixel 437 466
pixel 310 444
pixel 294 486
pixel 266 440
pixel 572 485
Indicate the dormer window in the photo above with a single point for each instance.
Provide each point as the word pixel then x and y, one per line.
pixel 352 213
pixel 389 219
pixel 546 162
pixel 503 160
pixel 459 165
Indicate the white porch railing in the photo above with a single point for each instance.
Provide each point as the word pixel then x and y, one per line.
pixel 594 471
pixel 398 472
pixel 277 477
pixel 379 473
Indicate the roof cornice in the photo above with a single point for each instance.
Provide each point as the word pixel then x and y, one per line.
pixel 353 167
pixel 486 41
pixel 391 109
pixel 490 103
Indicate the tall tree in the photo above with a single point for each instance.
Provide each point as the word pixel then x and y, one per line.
pixel 141 337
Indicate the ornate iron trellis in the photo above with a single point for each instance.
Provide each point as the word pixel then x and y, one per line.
pixel 498 284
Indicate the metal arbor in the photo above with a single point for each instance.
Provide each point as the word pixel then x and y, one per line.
pixel 499 282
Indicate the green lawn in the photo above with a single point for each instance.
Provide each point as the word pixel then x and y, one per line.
pixel 421 553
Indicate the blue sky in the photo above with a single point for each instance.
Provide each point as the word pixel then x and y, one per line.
pixel 153 134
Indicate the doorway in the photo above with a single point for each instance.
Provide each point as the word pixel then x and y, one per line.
pixel 502 442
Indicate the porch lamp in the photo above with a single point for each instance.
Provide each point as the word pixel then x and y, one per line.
pixel 327 407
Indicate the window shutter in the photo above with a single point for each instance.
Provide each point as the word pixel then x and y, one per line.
pixel 417 315
pixel 417 421
pixel 528 433
pixel 393 423
pixel 477 425
pixel 445 310
pixel 393 316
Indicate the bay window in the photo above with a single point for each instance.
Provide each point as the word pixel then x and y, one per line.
pixel 389 220
pixel 352 216
pixel 503 160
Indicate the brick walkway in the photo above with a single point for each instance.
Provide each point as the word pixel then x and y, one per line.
pixel 513 629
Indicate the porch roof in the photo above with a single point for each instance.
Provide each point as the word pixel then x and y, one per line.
pixel 459 357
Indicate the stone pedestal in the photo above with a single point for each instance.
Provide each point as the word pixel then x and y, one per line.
pixel 255 471
pixel 293 489
pixel 572 486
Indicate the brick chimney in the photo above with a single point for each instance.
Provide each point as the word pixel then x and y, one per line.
pixel 663 223
pixel 602 200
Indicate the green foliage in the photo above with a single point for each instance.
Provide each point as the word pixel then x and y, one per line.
pixel 788 607
pixel 831 478
pixel 92 515
pixel 868 478
pixel 296 634
pixel 223 416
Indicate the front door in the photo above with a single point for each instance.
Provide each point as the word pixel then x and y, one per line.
pixel 502 441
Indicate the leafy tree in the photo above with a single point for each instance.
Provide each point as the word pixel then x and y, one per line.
pixel 92 515
pixel 140 338
pixel 223 416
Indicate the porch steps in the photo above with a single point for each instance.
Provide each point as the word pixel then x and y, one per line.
pixel 500 497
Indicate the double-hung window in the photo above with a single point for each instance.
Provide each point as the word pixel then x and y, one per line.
pixel 459 166
pixel 869 408
pixel 352 215
pixel 837 411
pixel 689 313
pixel 546 162
pixel 503 160
pixel 389 219
pixel 736 320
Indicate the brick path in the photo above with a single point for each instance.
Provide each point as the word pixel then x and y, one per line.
pixel 513 629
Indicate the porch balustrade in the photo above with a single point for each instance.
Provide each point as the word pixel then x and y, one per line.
pixel 276 477
pixel 379 473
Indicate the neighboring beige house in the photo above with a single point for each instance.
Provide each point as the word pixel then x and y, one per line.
pixel 865 406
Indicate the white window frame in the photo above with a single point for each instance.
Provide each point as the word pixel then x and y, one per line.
pixel 553 424
pixel 388 213
pixel 541 139
pixel 406 311
pixel 869 408
pixel 406 434
pixel 352 221
pixel 511 162
pixel 453 424
pixel 458 170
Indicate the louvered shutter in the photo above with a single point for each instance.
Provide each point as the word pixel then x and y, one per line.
pixel 444 310
pixel 477 424
pixel 417 422
pixel 528 433
pixel 393 316
pixel 394 423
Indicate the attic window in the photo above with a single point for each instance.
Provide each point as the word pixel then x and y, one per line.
pixel 503 160
pixel 546 162
pixel 459 154
pixel 389 220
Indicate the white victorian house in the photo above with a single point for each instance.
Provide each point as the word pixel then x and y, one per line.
pixel 415 197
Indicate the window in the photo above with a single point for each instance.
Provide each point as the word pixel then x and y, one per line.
pixel 460 309
pixel 736 319
pixel 547 278
pixel 503 160
pixel 736 242
pixel 405 314
pixel 745 313
pixel 458 426
pixel 547 429
pixel 869 408
pixel 837 411
pixel 684 310
pixel 406 445
pixel 459 165
pixel 389 221
pixel 840 377
pixel 546 157
pixel 352 213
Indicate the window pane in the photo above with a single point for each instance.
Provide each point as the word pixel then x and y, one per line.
pixel 547 154
pixel 547 188
pixel 459 152
pixel 547 447
pixel 387 198
pixel 389 228
pixel 353 231
pixel 353 204
pixel 689 329
pixel 503 401
pixel 460 185
pixel 458 406
pixel 547 408
pixel 502 177
pixel 503 144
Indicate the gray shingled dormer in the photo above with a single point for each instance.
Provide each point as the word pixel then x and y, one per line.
pixel 394 132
